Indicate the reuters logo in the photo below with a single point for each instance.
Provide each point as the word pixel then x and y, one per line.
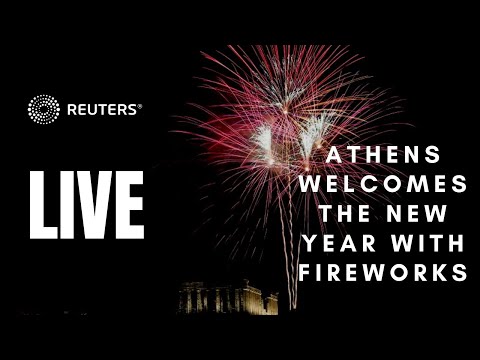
pixel 43 109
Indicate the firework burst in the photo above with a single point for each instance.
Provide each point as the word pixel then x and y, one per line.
pixel 281 109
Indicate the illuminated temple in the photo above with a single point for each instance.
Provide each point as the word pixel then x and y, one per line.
pixel 201 298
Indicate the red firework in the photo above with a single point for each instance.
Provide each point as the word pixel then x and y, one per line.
pixel 281 110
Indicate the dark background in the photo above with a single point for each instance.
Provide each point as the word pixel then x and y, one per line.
pixel 427 59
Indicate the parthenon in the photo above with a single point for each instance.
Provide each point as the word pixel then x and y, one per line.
pixel 200 297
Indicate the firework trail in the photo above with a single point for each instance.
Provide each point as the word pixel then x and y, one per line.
pixel 281 109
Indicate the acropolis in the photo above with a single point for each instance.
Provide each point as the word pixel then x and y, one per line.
pixel 241 298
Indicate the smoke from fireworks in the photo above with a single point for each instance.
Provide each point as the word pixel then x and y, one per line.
pixel 281 109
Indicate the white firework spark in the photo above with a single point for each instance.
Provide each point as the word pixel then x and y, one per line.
pixel 262 137
pixel 313 134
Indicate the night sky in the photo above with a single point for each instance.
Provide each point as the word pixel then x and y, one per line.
pixel 431 64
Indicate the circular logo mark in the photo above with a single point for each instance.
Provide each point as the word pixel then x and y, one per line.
pixel 43 109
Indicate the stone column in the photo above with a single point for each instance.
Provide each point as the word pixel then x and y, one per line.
pixel 250 302
pixel 237 300
pixel 205 300
pixel 218 301
pixel 241 300
pixel 199 301
pixel 229 308
pixel 188 307
pixel 245 300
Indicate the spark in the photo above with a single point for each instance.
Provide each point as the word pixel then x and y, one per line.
pixel 313 134
pixel 262 137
